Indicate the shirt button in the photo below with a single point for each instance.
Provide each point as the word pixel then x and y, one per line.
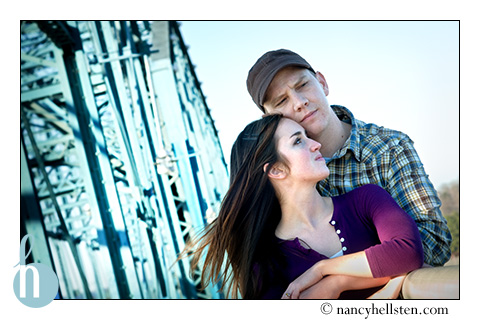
pixel 333 222
pixel 344 248
pixel 342 239
pixel 338 231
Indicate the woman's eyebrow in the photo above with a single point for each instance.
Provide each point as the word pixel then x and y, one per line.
pixel 298 133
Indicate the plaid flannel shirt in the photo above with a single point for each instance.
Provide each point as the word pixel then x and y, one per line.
pixel 385 157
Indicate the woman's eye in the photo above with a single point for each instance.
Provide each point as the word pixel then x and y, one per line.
pixel 298 141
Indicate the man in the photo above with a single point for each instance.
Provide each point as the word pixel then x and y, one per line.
pixel 357 153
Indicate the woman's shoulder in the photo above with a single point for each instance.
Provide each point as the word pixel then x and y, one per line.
pixel 371 188
pixel 366 190
pixel 363 197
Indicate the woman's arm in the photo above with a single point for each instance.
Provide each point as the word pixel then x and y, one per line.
pixel 355 264
pixel 391 290
pixel 399 251
pixel 332 286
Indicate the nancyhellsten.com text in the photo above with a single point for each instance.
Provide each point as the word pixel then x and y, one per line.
pixel 382 309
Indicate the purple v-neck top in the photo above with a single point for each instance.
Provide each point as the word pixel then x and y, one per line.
pixel 368 219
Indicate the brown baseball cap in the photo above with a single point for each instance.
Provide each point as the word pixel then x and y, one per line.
pixel 264 70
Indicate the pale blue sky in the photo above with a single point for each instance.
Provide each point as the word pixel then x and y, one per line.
pixel 403 75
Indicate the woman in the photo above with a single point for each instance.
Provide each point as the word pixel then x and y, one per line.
pixel 276 237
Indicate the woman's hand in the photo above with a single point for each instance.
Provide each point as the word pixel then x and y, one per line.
pixel 305 281
pixel 354 264
pixel 328 288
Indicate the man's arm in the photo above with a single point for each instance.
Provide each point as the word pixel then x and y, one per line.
pixel 409 185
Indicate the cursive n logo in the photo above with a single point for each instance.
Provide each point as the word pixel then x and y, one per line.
pixel 35 284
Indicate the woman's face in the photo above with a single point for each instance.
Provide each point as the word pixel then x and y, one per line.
pixel 301 154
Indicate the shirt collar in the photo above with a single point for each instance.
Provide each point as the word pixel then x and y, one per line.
pixel 353 141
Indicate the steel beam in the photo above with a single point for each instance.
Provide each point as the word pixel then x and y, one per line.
pixel 132 164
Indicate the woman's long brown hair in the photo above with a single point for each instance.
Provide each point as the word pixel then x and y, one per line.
pixel 240 242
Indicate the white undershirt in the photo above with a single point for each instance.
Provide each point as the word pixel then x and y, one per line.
pixel 338 254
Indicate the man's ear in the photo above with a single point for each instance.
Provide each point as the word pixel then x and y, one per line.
pixel 322 81
pixel 277 171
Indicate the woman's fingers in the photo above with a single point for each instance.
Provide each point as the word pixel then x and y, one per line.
pixel 292 292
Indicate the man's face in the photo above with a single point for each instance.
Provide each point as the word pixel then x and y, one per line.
pixel 300 95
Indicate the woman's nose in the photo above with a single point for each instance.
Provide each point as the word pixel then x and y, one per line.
pixel 315 146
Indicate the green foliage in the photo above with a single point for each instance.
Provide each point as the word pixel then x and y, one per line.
pixel 453 221
pixel 450 196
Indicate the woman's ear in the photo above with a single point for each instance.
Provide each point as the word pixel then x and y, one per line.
pixel 277 171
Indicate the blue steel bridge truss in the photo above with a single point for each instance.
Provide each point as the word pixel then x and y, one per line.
pixel 120 159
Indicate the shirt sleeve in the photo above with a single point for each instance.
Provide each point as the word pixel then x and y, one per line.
pixel 409 185
pixel 400 249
